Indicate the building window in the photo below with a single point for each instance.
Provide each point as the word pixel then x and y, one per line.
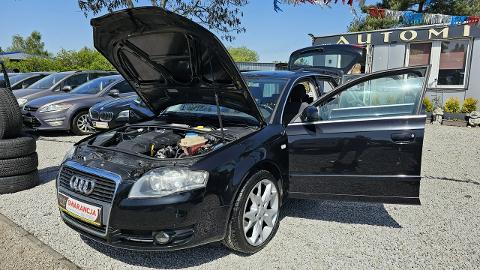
pixel 419 54
pixel 453 57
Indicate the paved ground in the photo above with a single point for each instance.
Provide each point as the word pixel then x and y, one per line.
pixel 441 234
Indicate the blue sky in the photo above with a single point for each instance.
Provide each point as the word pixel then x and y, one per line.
pixel 273 35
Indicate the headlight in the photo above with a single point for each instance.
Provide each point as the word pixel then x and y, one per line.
pixel 69 154
pixel 165 181
pixel 22 102
pixel 54 108
pixel 124 114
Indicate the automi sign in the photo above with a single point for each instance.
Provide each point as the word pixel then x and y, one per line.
pixel 402 35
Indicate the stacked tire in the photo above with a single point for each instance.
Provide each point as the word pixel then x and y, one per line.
pixel 18 157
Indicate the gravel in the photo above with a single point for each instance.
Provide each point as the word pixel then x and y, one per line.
pixel 441 233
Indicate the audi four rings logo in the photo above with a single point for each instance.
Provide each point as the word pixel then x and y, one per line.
pixel 82 185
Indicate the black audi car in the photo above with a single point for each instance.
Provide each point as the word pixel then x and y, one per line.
pixel 193 175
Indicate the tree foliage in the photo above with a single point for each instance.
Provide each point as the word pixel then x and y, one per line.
pixel 243 54
pixel 222 16
pixel 447 7
pixel 84 59
pixel 32 44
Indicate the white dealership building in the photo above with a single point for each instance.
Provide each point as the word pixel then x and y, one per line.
pixel 453 51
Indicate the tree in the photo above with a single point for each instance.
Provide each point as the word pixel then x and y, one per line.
pixel 222 16
pixel 447 7
pixel 243 54
pixel 32 44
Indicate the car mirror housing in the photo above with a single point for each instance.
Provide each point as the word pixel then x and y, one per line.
pixel 67 88
pixel 310 114
pixel 114 93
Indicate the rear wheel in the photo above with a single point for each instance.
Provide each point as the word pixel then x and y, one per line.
pixel 81 125
pixel 255 216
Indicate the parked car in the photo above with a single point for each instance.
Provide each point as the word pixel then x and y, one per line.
pixel 114 113
pixel 57 83
pixel 24 80
pixel 69 111
pixel 2 79
pixel 193 175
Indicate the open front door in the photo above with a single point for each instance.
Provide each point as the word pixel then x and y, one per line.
pixel 362 141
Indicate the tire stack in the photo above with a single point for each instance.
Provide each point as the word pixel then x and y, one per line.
pixel 18 159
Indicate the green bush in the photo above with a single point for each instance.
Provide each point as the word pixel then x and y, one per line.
pixel 428 104
pixel 469 105
pixel 84 59
pixel 452 105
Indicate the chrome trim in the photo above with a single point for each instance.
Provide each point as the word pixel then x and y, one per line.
pixel 355 175
pixel 360 120
pixel 100 173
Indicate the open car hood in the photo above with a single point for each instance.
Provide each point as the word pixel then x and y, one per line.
pixel 170 60
pixel 335 60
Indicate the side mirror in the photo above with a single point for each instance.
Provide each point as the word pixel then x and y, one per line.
pixel 114 93
pixel 67 88
pixel 24 85
pixel 310 114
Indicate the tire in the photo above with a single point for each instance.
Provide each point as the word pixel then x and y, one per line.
pixel 18 166
pixel 16 183
pixel 11 113
pixel 75 128
pixel 236 237
pixel 18 147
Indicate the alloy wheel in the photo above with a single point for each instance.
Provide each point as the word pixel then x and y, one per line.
pixel 261 212
pixel 83 125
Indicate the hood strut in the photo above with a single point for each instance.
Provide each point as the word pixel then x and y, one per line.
pixel 217 102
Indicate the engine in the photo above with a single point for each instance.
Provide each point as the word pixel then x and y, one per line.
pixel 162 143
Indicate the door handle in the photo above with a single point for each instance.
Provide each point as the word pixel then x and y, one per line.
pixel 403 137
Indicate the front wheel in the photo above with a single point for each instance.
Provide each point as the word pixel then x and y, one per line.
pixel 255 216
pixel 81 125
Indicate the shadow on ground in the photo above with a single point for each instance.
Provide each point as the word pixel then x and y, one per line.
pixel 333 211
pixel 163 259
pixel 338 211
pixel 47 174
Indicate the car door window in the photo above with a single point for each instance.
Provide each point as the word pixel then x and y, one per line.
pixel 76 80
pixel 123 87
pixel 392 95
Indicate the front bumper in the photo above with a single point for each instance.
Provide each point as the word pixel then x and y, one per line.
pixel 190 218
pixel 45 121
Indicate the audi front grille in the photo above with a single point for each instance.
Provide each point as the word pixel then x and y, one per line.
pixel 104 188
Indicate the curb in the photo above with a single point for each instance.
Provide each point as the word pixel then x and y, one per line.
pixel 26 236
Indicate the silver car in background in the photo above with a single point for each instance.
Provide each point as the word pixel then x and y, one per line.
pixel 69 111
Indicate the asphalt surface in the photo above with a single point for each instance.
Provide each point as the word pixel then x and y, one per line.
pixel 442 233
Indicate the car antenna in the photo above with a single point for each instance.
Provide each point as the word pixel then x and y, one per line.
pixel 217 102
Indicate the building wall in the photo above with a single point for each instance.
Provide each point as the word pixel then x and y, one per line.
pixel 388 56
pixel 474 82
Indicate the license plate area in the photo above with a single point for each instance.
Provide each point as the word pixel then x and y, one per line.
pixel 103 125
pixel 86 212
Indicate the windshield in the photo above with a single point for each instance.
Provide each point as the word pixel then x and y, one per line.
pixel 94 86
pixel 49 81
pixel 266 92
pixel 18 77
pixel 207 110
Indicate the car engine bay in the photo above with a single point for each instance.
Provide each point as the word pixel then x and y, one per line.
pixel 162 142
